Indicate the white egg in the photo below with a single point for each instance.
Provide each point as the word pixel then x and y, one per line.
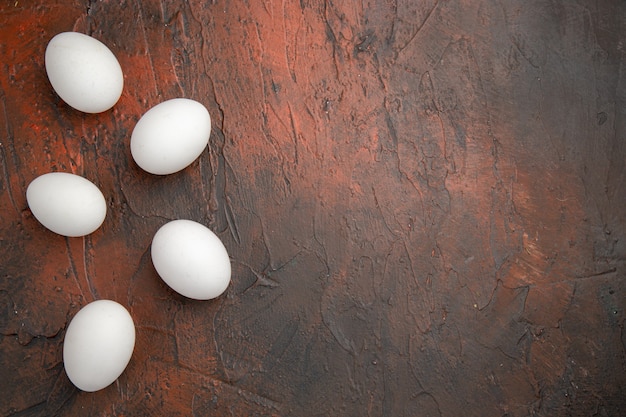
pixel 170 136
pixel 191 259
pixel 98 345
pixel 67 204
pixel 84 72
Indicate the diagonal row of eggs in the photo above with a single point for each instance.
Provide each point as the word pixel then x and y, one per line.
pixel 188 256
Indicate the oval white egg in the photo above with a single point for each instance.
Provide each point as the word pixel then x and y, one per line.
pixel 84 72
pixel 170 136
pixel 191 259
pixel 67 204
pixel 98 345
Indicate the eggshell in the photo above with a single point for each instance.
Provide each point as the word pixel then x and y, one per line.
pixel 170 136
pixel 98 345
pixel 67 204
pixel 191 259
pixel 84 72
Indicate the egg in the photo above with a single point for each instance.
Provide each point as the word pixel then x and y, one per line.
pixel 191 259
pixel 67 204
pixel 83 72
pixel 98 345
pixel 170 136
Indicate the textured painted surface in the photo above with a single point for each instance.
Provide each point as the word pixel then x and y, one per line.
pixel 423 202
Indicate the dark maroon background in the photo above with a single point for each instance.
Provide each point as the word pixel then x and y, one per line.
pixel 424 203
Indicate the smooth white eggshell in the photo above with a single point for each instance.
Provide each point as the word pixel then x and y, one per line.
pixel 170 136
pixel 84 72
pixel 67 204
pixel 191 259
pixel 98 345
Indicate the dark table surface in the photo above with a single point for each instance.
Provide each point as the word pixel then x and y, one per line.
pixel 423 202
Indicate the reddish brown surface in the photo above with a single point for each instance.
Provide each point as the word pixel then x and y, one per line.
pixel 423 202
